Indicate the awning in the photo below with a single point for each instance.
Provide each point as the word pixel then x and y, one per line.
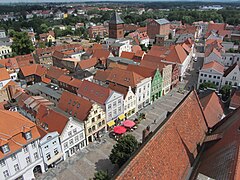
pixel 54 158
pixel 121 117
pixel 119 130
pixel 111 123
pixel 129 123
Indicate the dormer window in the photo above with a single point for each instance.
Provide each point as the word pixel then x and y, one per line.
pixel 28 135
pixel 5 149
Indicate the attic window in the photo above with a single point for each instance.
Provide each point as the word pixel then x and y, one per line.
pixel 28 135
pixel 74 103
pixel 70 101
pixel 78 105
pixel 70 112
pixel 5 148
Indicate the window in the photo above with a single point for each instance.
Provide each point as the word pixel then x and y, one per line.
pixel 55 151
pixel 109 106
pixel 70 133
pixel 214 77
pixel 28 161
pixel 54 142
pixel 74 130
pixel 217 83
pixel 200 80
pixel 46 147
pixel 81 135
pixel 205 75
pixel 119 109
pixel 115 112
pixel 48 156
pixel 25 150
pixel 201 74
pixel 99 124
pixel 33 145
pixel 6 173
pixel 210 76
pixel 119 101
pixel 76 139
pixel 2 162
pixel 95 112
pixel 99 116
pixel 35 155
pixel 71 141
pixel 5 148
pixel 16 167
pixel 93 128
pixel 93 120
pixel 65 145
pixel 13 157
pixel 114 104
pixel 218 77
pixel 28 135
pixel 110 114
pixel 89 130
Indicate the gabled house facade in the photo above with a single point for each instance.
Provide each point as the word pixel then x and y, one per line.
pixel 232 76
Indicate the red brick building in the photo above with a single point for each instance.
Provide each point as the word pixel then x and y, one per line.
pixel 95 31
pixel 116 27
pixel 158 27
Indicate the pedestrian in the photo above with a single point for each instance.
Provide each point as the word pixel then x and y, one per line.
pixel 155 121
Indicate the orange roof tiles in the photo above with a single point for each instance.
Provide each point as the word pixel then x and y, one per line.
pixel 222 158
pixel 141 70
pixel 127 55
pixel 94 92
pixel 55 72
pixel 117 65
pixel 101 75
pixel 170 150
pixel 12 125
pixel 36 69
pixel 88 63
pixel 177 54
pixel 54 120
pixel 124 77
pixel 9 63
pixel 101 53
pixel 75 105
pixel 70 80
pixel 214 65
pixel 4 75
pixel 136 48
pixel 212 108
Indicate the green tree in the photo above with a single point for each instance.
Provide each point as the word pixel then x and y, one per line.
pixel 22 44
pixel 44 28
pixel 123 150
pixel 97 38
pixel 101 175
pixel 226 92
pixel 207 85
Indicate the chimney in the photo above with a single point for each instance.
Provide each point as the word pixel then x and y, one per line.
pixel 145 133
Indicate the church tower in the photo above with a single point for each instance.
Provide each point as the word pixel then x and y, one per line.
pixel 116 27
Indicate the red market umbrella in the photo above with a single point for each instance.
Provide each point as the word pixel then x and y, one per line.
pixel 119 129
pixel 128 123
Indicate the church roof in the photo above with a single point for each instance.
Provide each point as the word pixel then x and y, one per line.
pixel 116 19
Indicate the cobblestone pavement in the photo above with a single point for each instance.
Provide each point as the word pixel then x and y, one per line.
pixel 83 165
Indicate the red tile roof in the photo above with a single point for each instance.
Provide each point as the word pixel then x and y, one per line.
pixel 70 80
pixel 136 48
pixel 177 54
pixel 9 63
pixel 35 69
pixel 55 121
pixel 55 72
pixel 94 92
pixel 12 127
pixel 4 75
pixel 141 70
pixel 101 75
pixel 170 150
pixel 124 77
pixel 75 105
pixel 101 53
pixel 222 159
pixel 88 63
pixel 214 65
pixel 120 89
pixel 127 55
pixel 212 108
